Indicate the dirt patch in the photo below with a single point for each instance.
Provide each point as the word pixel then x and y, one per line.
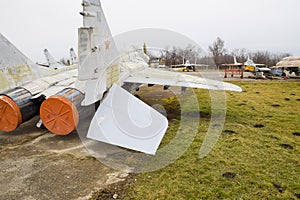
pixel 230 132
pixel 276 105
pixel 287 146
pixel 115 191
pixel 278 187
pixel 296 133
pixel 259 126
pixel 229 175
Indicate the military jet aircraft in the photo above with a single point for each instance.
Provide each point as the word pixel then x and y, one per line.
pixel 73 57
pixel 234 64
pixel 21 80
pixel 103 75
pixel 254 67
pixel 51 61
pixel 186 66
pixel 291 66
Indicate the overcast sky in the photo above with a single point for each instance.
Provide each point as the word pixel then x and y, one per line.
pixel 272 25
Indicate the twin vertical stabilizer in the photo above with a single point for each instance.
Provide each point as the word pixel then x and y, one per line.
pixel 97 51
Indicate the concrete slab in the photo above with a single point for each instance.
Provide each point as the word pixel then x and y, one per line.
pixel 35 164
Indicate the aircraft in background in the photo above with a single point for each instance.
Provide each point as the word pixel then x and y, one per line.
pixel 73 57
pixel 249 65
pixel 234 68
pixel 234 64
pixel 102 76
pixel 290 66
pixel 254 67
pixel 259 70
pixel 52 63
pixel 186 66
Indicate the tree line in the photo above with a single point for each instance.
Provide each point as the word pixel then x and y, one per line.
pixel 217 55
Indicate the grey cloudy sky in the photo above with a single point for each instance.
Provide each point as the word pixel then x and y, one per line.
pixel 272 25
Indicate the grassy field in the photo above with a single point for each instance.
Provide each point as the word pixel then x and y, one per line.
pixel 256 157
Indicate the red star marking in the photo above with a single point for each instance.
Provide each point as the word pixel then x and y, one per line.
pixel 107 45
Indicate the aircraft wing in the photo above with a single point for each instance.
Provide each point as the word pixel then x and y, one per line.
pixel 180 65
pixel 264 69
pixel 232 65
pixel 199 65
pixel 159 77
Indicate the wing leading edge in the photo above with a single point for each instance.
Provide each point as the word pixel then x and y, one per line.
pixel 159 77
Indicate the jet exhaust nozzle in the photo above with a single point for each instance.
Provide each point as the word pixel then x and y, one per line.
pixel 60 113
pixel 16 107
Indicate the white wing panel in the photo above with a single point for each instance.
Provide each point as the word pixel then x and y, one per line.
pixel 159 77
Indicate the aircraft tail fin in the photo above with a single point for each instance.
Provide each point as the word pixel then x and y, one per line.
pixel 51 61
pixel 97 52
pixel 234 59
pixel 15 68
pixel 97 49
pixel 249 62
pixel 73 57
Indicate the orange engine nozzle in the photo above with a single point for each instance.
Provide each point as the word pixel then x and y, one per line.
pixel 59 115
pixel 10 114
pixel 16 107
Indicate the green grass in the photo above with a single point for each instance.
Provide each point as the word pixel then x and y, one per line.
pixel 255 155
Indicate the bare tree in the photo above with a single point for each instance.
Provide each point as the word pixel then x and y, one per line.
pixel 267 58
pixel 260 57
pixel 174 55
pixel 240 54
pixel 170 56
pixel 217 50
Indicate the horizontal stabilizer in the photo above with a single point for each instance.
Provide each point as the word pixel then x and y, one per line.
pixel 125 121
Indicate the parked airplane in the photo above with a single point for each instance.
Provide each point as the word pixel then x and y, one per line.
pixel 73 57
pixel 186 66
pixel 254 67
pixel 21 80
pixel 234 64
pixel 291 66
pixel 52 63
pixel 234 68
pixel 121 119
